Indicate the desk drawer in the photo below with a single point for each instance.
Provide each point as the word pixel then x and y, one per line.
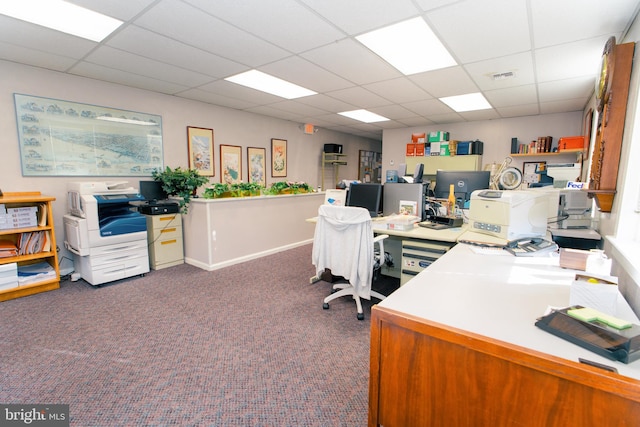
pixel 418 255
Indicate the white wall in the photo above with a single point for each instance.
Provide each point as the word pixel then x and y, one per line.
pixel 496 135
pixel 230 127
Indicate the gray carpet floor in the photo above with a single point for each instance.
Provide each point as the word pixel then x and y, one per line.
pixel 246 345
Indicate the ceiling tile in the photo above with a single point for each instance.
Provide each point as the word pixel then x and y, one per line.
pixel 356 17
pixel 398 90
pixel 559 62
pixel 193 27
pixel 477 30
pixel 521 65
pixel 519 95
pixel 352 61
pixel 306 74
pixel 154 46
pixel 275 21
pixel 445 82
pixel 124 61
pixel 551 25
pixel 359 97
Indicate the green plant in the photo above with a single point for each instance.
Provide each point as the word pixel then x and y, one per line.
pixel 290 186
pixel 241 189
pixel 180 182
pixel 216 190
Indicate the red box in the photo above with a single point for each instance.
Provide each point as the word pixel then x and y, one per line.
pixel 411 150
pixel 571 143
pixel 419 150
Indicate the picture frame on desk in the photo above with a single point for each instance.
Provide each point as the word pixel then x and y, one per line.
pixel 200 146
pixel 230 164
pixel 278 158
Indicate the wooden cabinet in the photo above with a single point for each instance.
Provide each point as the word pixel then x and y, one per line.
pixel 610 126
pixel 46 252
pixel 164 236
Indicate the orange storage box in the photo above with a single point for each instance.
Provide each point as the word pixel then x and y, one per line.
pixel 571 143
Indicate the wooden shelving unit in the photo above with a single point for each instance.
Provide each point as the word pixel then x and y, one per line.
pixel 27 199
pixel 334 160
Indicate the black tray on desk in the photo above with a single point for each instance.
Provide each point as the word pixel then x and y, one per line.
pixel 616 344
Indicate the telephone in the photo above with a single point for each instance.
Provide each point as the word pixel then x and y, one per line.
pixel 531 247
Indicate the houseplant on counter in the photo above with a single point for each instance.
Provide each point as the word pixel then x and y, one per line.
pixel 289 187
pixel 180 182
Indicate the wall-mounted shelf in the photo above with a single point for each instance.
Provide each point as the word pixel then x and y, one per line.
pixel 335 160
pixel 577 152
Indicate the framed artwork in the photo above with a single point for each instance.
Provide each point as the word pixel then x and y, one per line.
pixel 200 143
pixel 64 138
pixel 230 164
pixel 256 160
pixel 278 157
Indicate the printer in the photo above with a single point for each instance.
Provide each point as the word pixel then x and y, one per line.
pixel 105 232
pixel 499 216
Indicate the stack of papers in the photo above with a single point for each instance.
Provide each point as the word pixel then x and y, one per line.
pixel 7 249
pixel 33 273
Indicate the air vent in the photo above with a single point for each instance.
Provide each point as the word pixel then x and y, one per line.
pixel 503 76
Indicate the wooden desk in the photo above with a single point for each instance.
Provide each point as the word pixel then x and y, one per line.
pixel 457 346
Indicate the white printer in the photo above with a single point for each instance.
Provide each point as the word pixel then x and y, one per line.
pixel 105 232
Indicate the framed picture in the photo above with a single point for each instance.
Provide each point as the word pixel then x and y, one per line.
pixel 278 157
pixel 230 164
pixel 200 143
pixel 65 138
pixel 256 160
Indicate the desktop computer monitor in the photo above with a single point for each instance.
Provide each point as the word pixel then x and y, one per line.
pixel 395 192
pixel 368 196
pixel 464 183
pixel 152 191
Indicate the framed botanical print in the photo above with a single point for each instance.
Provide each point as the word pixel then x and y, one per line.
pixel 230 164
pixel 256 161
pixel 200 143
pixel 278 157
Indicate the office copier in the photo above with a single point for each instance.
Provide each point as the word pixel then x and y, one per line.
pixel 105 232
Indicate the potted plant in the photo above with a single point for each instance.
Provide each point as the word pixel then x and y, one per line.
pixel 180 182
pixel 217 190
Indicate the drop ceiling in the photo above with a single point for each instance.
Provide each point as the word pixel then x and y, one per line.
pixel 527 57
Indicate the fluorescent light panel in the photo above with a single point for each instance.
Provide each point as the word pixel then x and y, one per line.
pixel 364 116
pixel 264 82
pixel 468 102
pixel 62 16
pixel 410 46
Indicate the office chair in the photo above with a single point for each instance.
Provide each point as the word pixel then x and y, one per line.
pixel 344 243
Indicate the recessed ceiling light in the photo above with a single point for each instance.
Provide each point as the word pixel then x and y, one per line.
pixel 468 102
pixel 364 116
pixel 410 46
pixel 62 16
pixel 264 82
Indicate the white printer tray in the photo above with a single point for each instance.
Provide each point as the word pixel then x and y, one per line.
pixel 114 262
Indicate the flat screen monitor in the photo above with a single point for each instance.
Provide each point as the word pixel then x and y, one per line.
pixel 368 196
pixel 464 183
pixel 152 191
pixel 395 192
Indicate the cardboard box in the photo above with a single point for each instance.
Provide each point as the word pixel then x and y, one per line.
pixel 419 138
pixel 438 136
pixel 411 150
pixel 571 143
pixel 435 149
pixel 419 150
